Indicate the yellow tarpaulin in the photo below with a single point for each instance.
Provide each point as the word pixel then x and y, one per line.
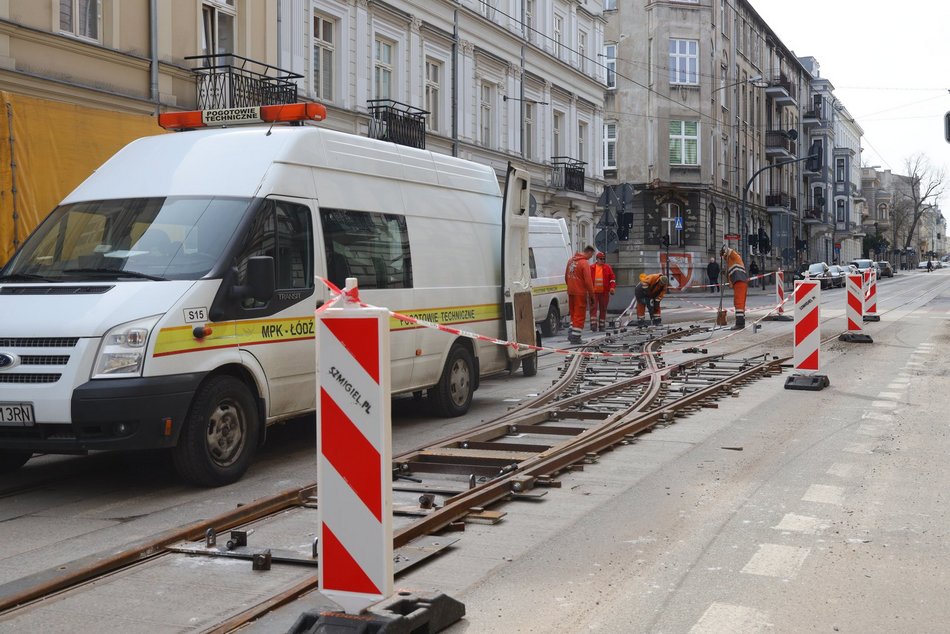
pixel 56 146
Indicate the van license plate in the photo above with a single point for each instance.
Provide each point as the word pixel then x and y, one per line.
pixel 16 414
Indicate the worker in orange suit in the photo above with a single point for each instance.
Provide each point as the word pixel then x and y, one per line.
pixel 605 285
pixel 648 293
pixel 580 287
pixel 738 280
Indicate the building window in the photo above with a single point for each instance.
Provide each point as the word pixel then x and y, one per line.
pixel 582 50
pixel 217 27
pixel 882 211
pixel 839 210
pixel 79 17
pixel 610 63
pixel 610 5
pixel 383 69
pixel 488 8
pixel 610 146
pixel 558 36
pixel 323 54
pixel 711 238
pixel 433 90
pixel 529 19
pixel 582 142
pixel 485 115
pixel 528 130
pixel 684 61
pixel 684 142
pixel 556 146
pixel 839 170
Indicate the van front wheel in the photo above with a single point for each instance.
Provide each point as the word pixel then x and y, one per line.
pixel 452 395
pixel 552 323
pixel 220 434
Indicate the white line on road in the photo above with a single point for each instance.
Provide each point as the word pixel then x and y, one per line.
pixel 824 494
pixel 725 618
pixel 775 560
pixel 845 470
pixel 801 524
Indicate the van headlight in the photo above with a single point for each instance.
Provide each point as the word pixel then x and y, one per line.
pixel 122 351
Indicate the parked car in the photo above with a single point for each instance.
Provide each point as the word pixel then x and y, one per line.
pixel 862 265
pixel 838 275
pixel 819 271
pixel 885 269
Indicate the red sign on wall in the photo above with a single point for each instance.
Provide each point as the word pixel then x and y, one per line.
pixel 732 236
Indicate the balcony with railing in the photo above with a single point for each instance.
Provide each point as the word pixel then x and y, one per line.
pixel 812 118
pixel 397 122
pixel 781 90
pixel 568 173
pixel 813 210
pixel 779 202
pixel 779 144
pixel 232 81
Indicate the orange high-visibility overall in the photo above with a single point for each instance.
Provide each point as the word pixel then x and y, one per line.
pixel 604 283
pixel 651 291
pixel 580 285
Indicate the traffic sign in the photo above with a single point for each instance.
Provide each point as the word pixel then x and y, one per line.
pixel 679 223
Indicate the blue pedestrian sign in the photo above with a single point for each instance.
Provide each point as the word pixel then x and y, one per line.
pixel 679 223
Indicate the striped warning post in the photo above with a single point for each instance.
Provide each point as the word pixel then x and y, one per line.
pixel 806 340
pixel 354 453
pixel 779 314
pixel 854 311
pixel 870 298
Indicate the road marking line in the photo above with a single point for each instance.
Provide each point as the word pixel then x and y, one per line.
pixel 869 430
pixel 891 395
pixel 824 494
pixel 775 560
pixel 801 524
pixel 725 618
pixel 860 447
pixel 884 404
pixel 843 470
pixel 897 386
pixel 872 415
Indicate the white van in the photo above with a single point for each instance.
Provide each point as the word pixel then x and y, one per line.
pixel 169 300
pixel 549 249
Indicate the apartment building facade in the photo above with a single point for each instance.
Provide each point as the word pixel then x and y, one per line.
pixel 491 81
pixel 704 115
pixel 888 219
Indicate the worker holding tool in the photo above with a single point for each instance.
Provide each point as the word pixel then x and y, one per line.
pixel 738 280
pixel 605 284
pixel 580 287
pixel 648 294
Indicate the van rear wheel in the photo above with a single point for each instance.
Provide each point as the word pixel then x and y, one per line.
pixel 12 459
pixel 452 395
pixel 219 438
pixel 552 323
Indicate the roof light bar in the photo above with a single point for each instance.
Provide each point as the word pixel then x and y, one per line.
pixel 191 119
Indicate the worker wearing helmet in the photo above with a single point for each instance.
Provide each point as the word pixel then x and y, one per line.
pixel 579 288
pixel 648 294
pixel 605 284
pixel 738 280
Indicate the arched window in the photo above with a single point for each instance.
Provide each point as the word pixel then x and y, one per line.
pixel 882 211
pixel 728 217
pixel 712 236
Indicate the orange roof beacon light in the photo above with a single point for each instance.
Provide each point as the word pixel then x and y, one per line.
pixel 289 112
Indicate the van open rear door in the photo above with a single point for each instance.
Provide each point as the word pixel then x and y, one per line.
pixel 516 273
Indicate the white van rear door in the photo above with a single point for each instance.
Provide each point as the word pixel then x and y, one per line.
pixel 516 272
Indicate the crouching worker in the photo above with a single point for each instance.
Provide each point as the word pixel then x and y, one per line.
pixel 648 294
pixel 738 280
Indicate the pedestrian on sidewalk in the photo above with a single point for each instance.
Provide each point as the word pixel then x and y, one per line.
pixel 712 273
pixel 753 271
pixel 580 288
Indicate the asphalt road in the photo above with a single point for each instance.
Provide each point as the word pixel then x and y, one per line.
pixel 829 516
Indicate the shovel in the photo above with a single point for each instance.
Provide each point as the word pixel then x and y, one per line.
pixel 720 314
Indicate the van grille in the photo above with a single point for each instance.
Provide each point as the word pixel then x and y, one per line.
pixel 29 378
pixel 44 359
pixel 38 342
pixel 54 290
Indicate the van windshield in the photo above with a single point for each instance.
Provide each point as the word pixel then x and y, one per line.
pixel 139 238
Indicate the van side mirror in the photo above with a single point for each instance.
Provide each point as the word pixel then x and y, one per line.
pixel 260 279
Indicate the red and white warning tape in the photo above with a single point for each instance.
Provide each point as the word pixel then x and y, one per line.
pixel 353 295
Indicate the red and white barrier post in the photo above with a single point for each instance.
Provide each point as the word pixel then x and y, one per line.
pixel 354 453
pixel 806 339
pixel 854 311
pixel 870 298
pixel 779 313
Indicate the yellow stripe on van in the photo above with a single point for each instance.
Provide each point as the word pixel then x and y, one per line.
pixel 250 332
pixel 545 290
pixel 450 315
